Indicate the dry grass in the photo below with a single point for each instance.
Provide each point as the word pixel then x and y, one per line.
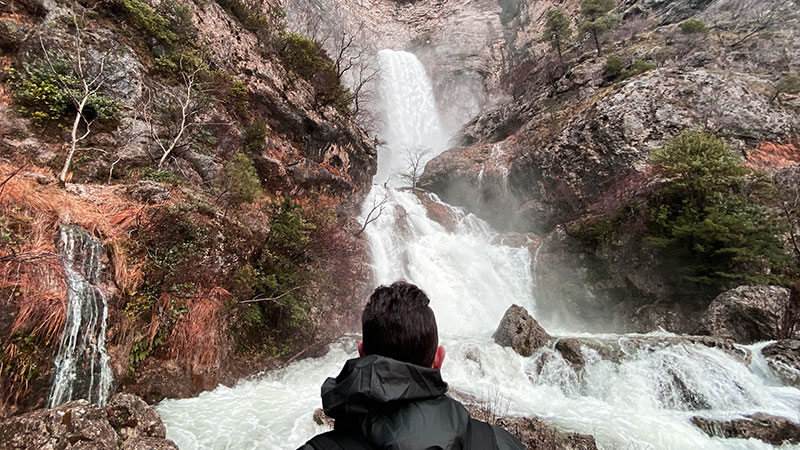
pixel 31 271
pixel 770 155
pixel 196 339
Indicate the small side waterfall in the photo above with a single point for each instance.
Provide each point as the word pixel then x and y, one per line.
pixel 82 363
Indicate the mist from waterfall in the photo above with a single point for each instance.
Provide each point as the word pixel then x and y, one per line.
pixel 82 363
pixel 644 399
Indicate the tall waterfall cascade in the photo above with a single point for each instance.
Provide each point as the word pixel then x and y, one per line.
pixel 82 363
pixel 643 400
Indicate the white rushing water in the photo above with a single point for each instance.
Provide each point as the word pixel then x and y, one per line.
pixel 82 363
pixel 644 399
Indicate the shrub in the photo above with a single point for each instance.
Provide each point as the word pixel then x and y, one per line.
pixel 45 94
pixel 704 223
pixel 239 181
pixel 255 136
pixel 638 66
pixel 251 20
pixel 277 279
pixel 693 26
pixel 614 67
pixel 148 20
pixel 303 58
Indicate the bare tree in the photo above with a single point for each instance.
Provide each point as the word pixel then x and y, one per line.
pixel 184 106
pixel 90 76
pixel 744 18
pixel 378 205
pixel 415 158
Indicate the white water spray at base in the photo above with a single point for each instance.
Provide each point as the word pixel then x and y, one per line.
pixel 82 363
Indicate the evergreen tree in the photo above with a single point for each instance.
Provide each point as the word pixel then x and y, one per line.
pixel 597 18
pixel 557 30
pixel 702 220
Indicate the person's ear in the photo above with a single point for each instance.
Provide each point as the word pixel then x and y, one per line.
pixel 361 348
pixel 438 359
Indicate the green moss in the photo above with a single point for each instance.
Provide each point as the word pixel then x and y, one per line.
pixel 162 176
pixel 45 93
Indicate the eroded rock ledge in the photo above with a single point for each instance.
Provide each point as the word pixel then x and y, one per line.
pixel 125 423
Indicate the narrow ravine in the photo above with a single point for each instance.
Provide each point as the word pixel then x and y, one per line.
pixel 643 400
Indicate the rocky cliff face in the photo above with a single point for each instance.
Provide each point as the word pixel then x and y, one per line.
pixel 573 143
pixel 253 137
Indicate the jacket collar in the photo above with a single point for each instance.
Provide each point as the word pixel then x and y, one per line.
pixel 367 384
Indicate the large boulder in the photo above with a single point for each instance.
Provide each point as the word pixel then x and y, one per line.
pixel 773 430
pixel 132 417
pixel 746 314
pixel 783 357
pixel 520 331
pixel 125 423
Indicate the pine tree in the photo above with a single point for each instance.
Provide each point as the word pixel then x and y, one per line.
pixel 557 30
pixel 701 219
pixel 596 18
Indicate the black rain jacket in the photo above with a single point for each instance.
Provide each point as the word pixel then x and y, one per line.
pixel 399 406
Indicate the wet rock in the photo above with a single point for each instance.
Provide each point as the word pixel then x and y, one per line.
pixel 148 443
pixel 126 422
pixel 618 348
pixel 765 427
pixel 535 434
pixel 76 421
pixel 532 432
pixel 437 211
pixel 570 350
pixel 320 418
pixel 133 418
pixel 520 331
pixel 746 314
pixel 783 357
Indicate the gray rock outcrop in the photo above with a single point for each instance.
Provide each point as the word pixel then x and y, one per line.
pixel 764 427
pixel 125 423
pixel 746 314
pixel 520 331
pixel 783 357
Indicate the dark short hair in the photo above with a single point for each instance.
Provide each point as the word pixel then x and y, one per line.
pixel 398 323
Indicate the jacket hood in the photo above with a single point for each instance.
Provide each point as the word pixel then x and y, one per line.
pixel 367 384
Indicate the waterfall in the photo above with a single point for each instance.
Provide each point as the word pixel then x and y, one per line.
pixel 642 400
pixel 82 363
pixel 412 122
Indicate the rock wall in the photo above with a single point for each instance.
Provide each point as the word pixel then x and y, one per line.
pixel 571 144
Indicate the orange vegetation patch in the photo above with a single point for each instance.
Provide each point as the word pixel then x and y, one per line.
pixel 770 155
pixel 32 206
pixel 197 339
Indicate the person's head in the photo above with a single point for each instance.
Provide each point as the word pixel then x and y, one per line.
pixel 398 323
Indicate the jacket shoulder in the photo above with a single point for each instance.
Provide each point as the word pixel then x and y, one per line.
pixel 505 440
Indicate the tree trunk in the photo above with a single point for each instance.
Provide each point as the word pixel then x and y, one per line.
pixel 74 144
pixel 596 42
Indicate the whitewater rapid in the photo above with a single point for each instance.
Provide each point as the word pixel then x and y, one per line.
pixel 633 403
